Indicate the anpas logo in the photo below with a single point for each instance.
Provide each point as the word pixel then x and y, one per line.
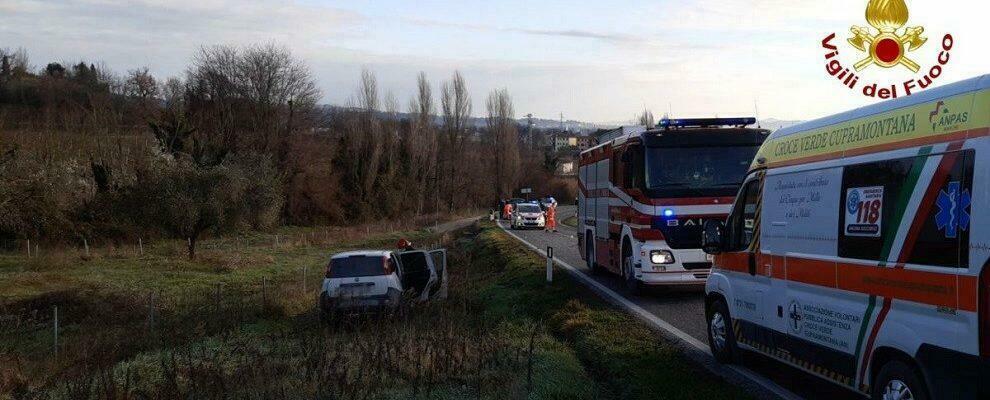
pixel 887 44
pixel 942 119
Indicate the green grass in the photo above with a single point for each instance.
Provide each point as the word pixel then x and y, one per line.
pixel 625 358
pixel 502 334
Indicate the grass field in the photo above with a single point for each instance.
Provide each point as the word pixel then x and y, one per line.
pixel 238 323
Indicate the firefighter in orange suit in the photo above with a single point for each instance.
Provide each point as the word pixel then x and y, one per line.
pixel 551 224
pixel 507 211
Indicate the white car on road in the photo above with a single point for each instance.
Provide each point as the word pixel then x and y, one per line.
pixel 528 215
pixel 367 279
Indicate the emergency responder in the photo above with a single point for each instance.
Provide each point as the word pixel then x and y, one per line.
pixel 405 245
pixel 507 211
pixel 551 224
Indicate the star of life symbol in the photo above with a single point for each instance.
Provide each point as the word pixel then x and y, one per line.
pixel 884 45
pixel 952 215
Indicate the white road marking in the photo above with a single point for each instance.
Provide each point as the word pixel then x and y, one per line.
pixel 657 322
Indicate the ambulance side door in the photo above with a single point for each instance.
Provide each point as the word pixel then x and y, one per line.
pixel 749 284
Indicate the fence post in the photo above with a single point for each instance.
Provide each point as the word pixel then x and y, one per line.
pixel 55 343
pixel 140 247
pixel 29 247
pixel 86 246
pixel 549 264
pixel 264 291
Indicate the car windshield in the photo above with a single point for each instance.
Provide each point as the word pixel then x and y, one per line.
pixel 353 266
pixel 697 167
pixel 529 208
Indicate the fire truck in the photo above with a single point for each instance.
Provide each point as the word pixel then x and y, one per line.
pixel 645 196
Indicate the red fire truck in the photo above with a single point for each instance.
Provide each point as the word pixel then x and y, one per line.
pixel 645 196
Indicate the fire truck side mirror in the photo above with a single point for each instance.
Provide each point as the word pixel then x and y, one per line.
pixel 712 239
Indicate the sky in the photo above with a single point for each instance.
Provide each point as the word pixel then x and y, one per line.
pixel 595 61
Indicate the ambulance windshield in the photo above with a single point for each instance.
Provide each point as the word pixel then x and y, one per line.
pixel 698 171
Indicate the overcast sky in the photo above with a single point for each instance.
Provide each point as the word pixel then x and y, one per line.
pixel 599 61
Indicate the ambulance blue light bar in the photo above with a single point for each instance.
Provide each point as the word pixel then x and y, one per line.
pixel 705 122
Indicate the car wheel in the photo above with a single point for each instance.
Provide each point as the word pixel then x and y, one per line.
pixel 897 380
pixel 721 336
pixel 325 308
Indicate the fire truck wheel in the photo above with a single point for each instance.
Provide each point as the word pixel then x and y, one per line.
pixel 589 255
pixel 721 337
pixel 633 286
pixel 897 380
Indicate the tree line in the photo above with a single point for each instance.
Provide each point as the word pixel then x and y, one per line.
pixel 240 142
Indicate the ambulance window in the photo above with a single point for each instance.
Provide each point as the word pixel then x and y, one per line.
pixel 944 236
pixel 743 221
pixel 876 198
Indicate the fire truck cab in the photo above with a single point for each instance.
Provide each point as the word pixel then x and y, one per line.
pixel 644 197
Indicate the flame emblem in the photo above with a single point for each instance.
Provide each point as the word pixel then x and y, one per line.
pixel 885 46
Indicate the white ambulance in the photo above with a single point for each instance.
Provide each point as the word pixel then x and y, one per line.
pixel 857 245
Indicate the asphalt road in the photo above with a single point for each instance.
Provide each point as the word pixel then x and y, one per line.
pixel 681 308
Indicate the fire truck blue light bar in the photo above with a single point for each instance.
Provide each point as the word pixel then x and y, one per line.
pixel 700 122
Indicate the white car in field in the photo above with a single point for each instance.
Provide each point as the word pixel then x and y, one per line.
pixel 528 215
pixel 370 279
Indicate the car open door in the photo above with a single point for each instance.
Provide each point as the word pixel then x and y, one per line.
pixel 438 258
pixel 418 273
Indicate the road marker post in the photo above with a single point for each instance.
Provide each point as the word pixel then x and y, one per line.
pixel 549 264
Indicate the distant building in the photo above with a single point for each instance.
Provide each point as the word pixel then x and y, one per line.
pixel 567 167
pixel 586 142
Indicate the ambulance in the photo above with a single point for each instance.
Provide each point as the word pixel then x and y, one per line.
pixel 857 249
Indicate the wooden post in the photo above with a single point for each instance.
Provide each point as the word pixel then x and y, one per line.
pixel 86 245
pixel 140 247
pixel 29 248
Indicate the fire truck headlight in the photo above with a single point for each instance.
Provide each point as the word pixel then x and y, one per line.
pixel 661 257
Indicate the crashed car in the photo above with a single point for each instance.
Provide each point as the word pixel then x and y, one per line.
pixel 377 279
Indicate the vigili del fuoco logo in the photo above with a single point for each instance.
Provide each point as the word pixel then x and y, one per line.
pixel 888 43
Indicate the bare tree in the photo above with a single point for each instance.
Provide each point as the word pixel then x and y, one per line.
pixel 646 118
pixel 251 98
pixel 421 144
pixel 456 105
pixel 504 140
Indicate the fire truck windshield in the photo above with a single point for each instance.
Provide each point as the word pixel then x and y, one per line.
pixel 697 171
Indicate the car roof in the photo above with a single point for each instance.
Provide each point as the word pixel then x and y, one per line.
pixel 365 253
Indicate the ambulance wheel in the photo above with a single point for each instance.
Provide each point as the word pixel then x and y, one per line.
pixel 897 380
pixel 721 337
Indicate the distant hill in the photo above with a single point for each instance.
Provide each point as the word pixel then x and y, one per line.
pixel 577 127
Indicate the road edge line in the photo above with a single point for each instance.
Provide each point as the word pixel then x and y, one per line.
pixel 659 323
